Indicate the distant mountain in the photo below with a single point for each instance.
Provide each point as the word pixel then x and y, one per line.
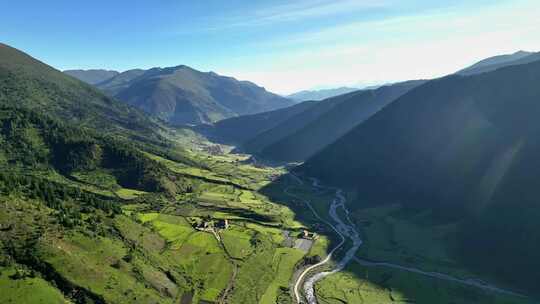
pixel 496 62
pixel 92 76
pixel 302 135
pixel 29 83
pixel 182 95
pixel 291 125
pixel 120 82
pixel 465 147
pixel 320 94
pixel 351 110
pixel 238 130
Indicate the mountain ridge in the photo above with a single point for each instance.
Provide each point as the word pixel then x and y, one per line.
pixel 92 76
pixel 495 62
pixel 182 95
pixel 317 95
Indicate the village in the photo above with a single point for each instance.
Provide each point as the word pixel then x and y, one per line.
pixel 302 239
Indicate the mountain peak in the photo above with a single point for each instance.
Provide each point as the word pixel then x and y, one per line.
pixel 184 95
pixel 522 52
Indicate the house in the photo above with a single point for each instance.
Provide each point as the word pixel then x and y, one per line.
pixel 207 224
pixel 203 225
pixel 308 235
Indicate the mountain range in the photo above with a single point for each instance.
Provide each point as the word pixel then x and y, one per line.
pixel 319 94
pixel 101 204
pixel 181 95
pixel 305 139
pixel 240 129
pixel 296 133
pixel 465 147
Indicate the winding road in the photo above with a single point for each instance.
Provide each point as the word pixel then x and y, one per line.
pixel 342 230
pixel 349 231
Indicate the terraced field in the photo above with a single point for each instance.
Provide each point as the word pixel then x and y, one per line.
pixel 247 262
pixel 171 249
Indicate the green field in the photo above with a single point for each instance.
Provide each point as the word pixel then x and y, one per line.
pixel 284 259
pixel 393 234
pixel 31 290
pixel 149 250
pixel 362 285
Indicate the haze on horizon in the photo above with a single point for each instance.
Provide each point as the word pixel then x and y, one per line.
pixel 285 46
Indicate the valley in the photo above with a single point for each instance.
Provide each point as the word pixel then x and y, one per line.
pixel 310 276
pixel 168 250
pixel 131 172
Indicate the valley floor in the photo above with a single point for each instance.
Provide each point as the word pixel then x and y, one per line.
pixel 366 281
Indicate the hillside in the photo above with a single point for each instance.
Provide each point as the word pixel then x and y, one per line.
pixel 465 148
pixel 87 218
pixel 33 142
pixel 333 124
pixel 90 216
pixel 239 129
pixel 119 82
pixel 182 95
pixel 291 125
pixel 496 62
pixel 320 94
pixel 92 77
pixel 29 83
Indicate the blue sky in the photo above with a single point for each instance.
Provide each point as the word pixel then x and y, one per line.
pixel 285 46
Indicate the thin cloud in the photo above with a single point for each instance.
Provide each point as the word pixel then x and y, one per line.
pixel 440 45
pixel 312 9
pixel 293 12
pixel 398 27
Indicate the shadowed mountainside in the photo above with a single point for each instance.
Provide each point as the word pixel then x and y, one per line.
pixel 465 147
pixel 237 130
pixel 327 128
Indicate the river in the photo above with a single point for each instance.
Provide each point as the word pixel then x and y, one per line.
pixel 349 231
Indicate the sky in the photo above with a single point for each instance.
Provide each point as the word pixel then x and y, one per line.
pixel 285 46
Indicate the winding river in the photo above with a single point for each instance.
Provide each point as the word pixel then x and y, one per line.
pixel 347 230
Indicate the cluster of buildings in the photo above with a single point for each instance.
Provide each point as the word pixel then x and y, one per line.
pixel 207 224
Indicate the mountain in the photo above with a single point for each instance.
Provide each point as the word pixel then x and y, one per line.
pixel 302 135
pixel 320 94
pixel 92 77
pixel 331 125
pixel 182 95
pixel 465 147
pixel 29 83
pixel 238 130
pixel 33 142
pixel 496 62
pixel 120 82
pixel 291 125
pixel 90 214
